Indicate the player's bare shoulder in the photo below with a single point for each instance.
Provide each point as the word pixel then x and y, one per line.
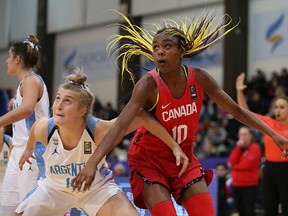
pixel 148 82
pixel 40 128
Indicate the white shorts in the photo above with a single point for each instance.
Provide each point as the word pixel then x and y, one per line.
pixel 17 183
pixel 47 201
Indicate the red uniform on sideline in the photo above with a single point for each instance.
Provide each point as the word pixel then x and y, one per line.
pixel 272 152
pixel 245 165
pixel 151 159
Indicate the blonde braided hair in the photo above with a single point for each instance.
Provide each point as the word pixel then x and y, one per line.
pixel 194 36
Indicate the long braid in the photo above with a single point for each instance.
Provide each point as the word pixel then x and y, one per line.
pixel 194 37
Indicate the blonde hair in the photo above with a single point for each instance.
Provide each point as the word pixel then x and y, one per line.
pixel 76 83
pixel 194 36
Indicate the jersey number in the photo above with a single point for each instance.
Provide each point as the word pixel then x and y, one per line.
pixel 180 133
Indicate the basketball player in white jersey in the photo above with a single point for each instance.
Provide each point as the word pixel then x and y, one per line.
pixel 5 144
pixel 71 137
pixel 30 103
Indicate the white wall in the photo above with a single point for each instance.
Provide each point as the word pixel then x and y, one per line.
pixel 23 18
pixel 87 48
pixel 4 26
pixel 148 7
pixel 99 11
pixel 18 19
pixel 65 14
pixel 6 81
pixel 74 14
pixel 262 15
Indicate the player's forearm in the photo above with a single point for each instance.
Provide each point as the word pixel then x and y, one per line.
pixel 14 116
pixel 110 140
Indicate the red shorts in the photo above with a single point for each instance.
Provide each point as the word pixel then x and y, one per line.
pixel 160 167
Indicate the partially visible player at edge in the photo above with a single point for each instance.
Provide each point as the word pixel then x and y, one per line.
pixel 30 103
pixel 173 93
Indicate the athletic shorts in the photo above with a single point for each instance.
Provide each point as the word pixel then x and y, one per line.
pixel 47 201
pixel 17 183
pixel 160 167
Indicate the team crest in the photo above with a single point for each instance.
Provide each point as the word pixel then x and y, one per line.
pixel 87 147
pixel 193 92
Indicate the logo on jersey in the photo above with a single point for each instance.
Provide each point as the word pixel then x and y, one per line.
pixel 55 141
pixel 165 106
pixel 55 151
pixel 193 92
pixel 87 147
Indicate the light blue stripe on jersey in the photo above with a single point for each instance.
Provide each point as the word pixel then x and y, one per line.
pixel 51 125
pixel 38 152
pixel 7 139
pixel 91 123
pixel 31 191
pixel 30 121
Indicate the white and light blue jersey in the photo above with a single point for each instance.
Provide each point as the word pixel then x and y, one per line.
pixel 21 129
pixel 63 165
pixel 5 151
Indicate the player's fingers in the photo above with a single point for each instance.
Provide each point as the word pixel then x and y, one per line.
pixel 28 161
pixel 178 160
pixel 72 184
pixel 21 163
pixel 77 183
pixel 87 184
pixel 185 164
pixel 281 147
pixel 284 154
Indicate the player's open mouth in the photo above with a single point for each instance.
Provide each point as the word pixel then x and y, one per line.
pixel 161 62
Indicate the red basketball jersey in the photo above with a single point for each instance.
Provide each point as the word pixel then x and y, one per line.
pixel 179 116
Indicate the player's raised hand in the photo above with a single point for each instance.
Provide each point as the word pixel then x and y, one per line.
pixel 240 86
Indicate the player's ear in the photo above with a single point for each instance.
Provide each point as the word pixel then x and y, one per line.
pixel 83 111
pixel 18 59
pixel 182 53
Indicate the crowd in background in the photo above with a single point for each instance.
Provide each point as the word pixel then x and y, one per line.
pixel 218 131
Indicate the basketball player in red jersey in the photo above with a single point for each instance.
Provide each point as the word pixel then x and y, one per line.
pixel 173 93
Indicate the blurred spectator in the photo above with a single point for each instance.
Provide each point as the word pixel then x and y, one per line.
pixel 119 169
pixel 259 83
pixel 98 109
pixel 244 161
pixel 283 81
pixel 225 200
pixel 213 143
pixel 110 113
pixel 5 97
pixel 256 103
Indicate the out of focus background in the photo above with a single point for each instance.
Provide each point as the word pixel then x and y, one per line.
pixel 74 33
